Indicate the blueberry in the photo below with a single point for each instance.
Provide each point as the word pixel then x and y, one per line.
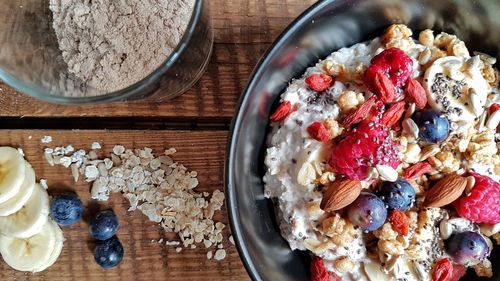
pixel 104 225
pixel 108 253
pixel 433 127
pixel 66 208
pixel 467 248
pixel 367 211
pixel 398 195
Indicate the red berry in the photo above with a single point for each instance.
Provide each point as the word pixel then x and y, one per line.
pixel 319 82
pixel 416 93
pixel 319 272
pixel 363 147
pixel 482 205
pixel 282 112
pixel 458 272
pixel 384 88
pixel 443 270
pixel 399 222
pixel 394 63
pixel 417 170
pixel 393 114
pixel 360 114
pixel 319 132
pixel 494 107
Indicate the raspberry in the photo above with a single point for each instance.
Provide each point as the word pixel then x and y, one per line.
pixel 319 272
pixel 363 147
pixel 482 205
pixel 394 64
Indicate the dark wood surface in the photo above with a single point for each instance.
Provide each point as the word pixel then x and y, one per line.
pixel 244 30
pixel 195 123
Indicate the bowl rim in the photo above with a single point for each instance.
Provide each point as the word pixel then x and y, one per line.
pixel 121 95
pixel 232 208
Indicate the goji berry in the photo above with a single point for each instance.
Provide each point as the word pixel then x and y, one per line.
pixel 458 272
pixel 319 132
pixel 399 222
pixel 494 107
pixel 443 270
pixel 282 112
pixel 393 114
pixel 417 170
pixel 384 88
pixel 319 272
pixel 360 114
pixel 416 93
pixel 319 82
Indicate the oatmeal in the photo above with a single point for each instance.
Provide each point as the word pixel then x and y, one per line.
pixel 380 156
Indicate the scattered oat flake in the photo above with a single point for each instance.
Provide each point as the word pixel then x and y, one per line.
pixel 220 254
pixel 43 183
pixel 231 239
pixel 96 145
pixel 178 249
pixel 158 186
pixel 46 139
pixel 160 241
pixel 209 255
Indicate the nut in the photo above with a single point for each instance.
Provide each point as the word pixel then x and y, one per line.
pixel 306 175
pixel 387 173
pixel 340 194
pixel 445 191
pixel 471 181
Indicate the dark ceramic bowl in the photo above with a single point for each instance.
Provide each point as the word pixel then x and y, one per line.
pixel 325 27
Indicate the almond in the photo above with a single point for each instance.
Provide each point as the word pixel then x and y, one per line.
pixel 445 191
pixel 340 194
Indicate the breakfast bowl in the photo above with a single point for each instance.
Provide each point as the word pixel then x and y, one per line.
pixel 137 62
pixel 322 29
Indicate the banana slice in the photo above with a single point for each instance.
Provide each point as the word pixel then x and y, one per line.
pixel 56 252
pixel 15 203
pixel 29 254
pixel 11 172
pixel 30 219
pixel 374 271
pixel 456 87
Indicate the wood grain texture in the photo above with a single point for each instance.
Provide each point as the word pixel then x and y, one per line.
pixel 201 151
pixel 244 29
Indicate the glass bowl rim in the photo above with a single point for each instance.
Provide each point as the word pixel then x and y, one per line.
pixel 135 89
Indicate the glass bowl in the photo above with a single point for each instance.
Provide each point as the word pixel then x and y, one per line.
pixel 325 27
pixel 31 62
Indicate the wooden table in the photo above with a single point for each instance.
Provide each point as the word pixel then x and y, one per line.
pixel 195 123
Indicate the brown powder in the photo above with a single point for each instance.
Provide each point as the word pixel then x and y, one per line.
pixel 112 44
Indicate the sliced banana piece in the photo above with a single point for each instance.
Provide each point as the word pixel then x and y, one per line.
pixel 374 271
pixel 11 172
pixel 56 252
pixel 30 219
pixel 15 203
pixel 456 88
pixel 29 254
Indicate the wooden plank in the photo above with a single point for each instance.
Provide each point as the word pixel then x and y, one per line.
pixel 202 151
pixel 243 31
